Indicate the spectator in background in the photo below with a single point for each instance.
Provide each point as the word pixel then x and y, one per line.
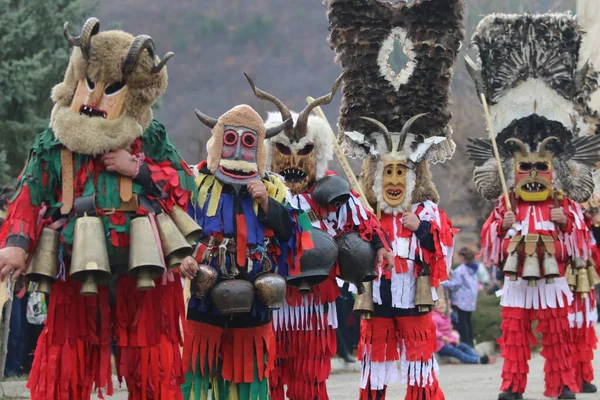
pixel 447 340
pixel 344 333
pixel 463 287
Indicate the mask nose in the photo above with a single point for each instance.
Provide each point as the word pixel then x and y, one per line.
pixel 238 151
pixel 533 173
pixel 96 96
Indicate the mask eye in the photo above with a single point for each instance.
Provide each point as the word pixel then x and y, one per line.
pixel 400 172
pixel 389 171
pixel 90 84
pixel 114 88
pixel 230 138
pixel 248 139
pixel 541 167
pixel 525 167
pixel 306 150
pixel 283 149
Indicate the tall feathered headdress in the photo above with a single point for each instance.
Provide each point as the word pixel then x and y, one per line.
pixel 364 34
pixel 537 87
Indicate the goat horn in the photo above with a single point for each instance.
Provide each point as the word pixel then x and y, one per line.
pixel 383 130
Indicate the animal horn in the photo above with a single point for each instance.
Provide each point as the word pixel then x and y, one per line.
pixel 275 130
pixel 383 130
pixel 522 148
pixel 206 120
pixel 302 122
pixel 406 129
pixel 83 41
pixel 283 109
pixel 141 43
pixel 542 149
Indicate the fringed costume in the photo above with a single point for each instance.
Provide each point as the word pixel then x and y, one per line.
pixel 396 119
pixel 305 326
pixel 537 94
pixel 102 109
pixel 244 252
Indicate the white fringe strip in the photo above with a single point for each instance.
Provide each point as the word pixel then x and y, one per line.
pixel 587 317
pixel 519 295
pixel 300 318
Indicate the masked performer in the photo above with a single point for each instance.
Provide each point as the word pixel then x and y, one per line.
pixel 308 318
pixel 98 181
pixel 537 96
pixel 247 246
pixel 397 122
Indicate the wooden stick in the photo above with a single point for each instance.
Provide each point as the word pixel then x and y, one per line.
pixel 496 153
pixel 342 160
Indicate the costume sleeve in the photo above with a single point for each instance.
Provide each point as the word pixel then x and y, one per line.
pixel 278 219
pixel 35 191
pixel 596 233
pixel 442 233
pixel 492 235
pixel 163 174
pixel 425 236
pixel 576 235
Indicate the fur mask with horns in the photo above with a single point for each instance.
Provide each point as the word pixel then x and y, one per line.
pixel 538 91
pixel 302 153
pixel 396 173
pixel 236 150
pixel 112 80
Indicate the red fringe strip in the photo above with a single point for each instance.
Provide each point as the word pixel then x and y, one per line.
pixel 368 394
pixel 583 343
pixel 72 356
pixel 378 338
pixel 515 344
pixel 238 349
pixel 558 368
pixel 418 335
pixel 325 292
pixel 431 392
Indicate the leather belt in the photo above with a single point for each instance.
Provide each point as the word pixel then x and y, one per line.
pixel 87 205
pixel 213 242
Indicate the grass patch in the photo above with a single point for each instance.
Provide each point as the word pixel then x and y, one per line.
pixel 486 318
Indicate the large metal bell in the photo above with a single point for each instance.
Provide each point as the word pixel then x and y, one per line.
pixel 511 266
pixel 357 259
pixel 316 263
pixel 579 263
pixel 331 190
pixel 174 244
pixel 363 305
pixel 550 266
pixel 583 284
pixel 571 275
pixel 531 269
pixel 593 277
pixel 233 296
pixel 44 262
pixel 89 261
pixel 270 290
pixel 186 224
pixel 424 297
pixel 145 260
pixel 205 280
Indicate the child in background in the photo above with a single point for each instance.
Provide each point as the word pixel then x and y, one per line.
pixel 448 343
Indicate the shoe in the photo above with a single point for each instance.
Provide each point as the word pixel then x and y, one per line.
pixel 349 359
pixel 567 394
pixel 509 395
pixel 588 387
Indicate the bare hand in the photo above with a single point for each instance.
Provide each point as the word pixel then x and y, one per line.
pixel 258 192
pixel 12 259
pixel 121 162
pixel 382 254
pixel 445 339
pixel 410 221
pixel 189 267
pixel 558 216
pixel 596 219
pixel 509 220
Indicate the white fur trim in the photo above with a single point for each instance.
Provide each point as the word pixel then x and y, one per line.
pixel 519 295
pixel 520 104
pixel 300 318
pixel 318 132
pixel 387 47
pixel 419 153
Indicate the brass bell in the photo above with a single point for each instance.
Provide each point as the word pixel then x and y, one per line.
pixel 511 265
pixel 270 290
pixel 571 275
pixel 145 260
pixel 363 305
pixel 531 269
pixel 593 277
pixel 579 263
pixel 424 297
pixel 233 296
pixel 186 224
pixel 89 261
pixel 174 244
pixel 174 261
pixel 551 270
pixel 44 262
pixel 583 284
pixel 205 280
